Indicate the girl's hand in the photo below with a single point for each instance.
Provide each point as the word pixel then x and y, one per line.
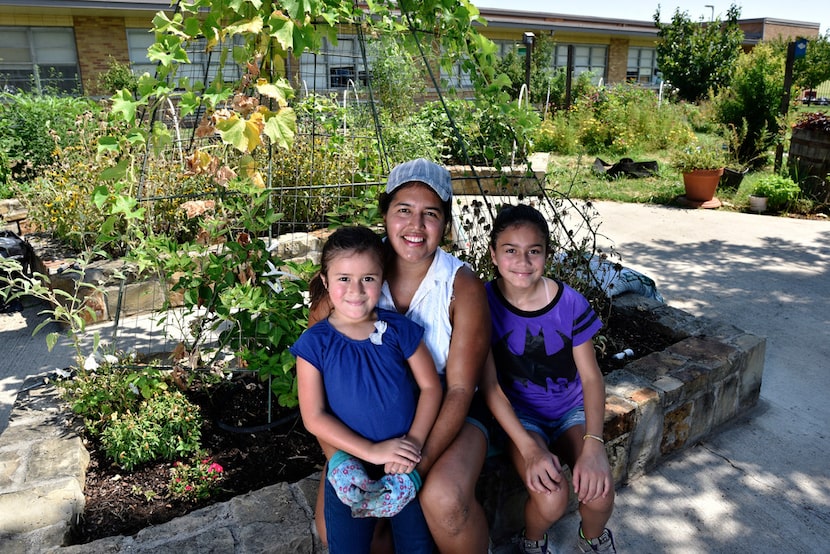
pixel 395 454
pixel 592 473
pixel 543 472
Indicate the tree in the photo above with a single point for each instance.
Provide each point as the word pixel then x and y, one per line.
pixel 814 68
pixel 542 74
pixel 751 104
pixel 697 57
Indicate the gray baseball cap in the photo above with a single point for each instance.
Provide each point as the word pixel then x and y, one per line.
pixel 422 171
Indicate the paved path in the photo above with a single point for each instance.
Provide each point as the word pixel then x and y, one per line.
pixel 761 485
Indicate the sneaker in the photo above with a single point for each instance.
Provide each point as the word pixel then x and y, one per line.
pixel 533 547
pixel 603 543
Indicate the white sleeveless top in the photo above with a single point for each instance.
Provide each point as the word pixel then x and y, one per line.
pixel 430 306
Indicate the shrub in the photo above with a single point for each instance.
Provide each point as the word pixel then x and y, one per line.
pixel 781 192
pixel 753 100
pixel 195 481
pixel 117 76
pixel 97 396
pixel 34 127
pixel 67 198
pixel 167 426
pixel 614 120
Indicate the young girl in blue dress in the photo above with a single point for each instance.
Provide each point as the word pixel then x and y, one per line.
pixel 549 376
pixel 368 389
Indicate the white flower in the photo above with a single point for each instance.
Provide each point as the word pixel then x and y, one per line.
pixel 133 388
pixel 90 364
pixel 110 359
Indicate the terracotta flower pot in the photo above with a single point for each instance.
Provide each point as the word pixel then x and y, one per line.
pixel 701 184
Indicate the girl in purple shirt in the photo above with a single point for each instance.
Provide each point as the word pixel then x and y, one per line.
pixel 551 398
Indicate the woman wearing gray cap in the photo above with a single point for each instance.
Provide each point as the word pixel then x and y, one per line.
pixel 444 296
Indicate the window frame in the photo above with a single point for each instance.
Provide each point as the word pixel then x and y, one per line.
pixel 38 63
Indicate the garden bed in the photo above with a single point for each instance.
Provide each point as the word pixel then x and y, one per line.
pixel 121 503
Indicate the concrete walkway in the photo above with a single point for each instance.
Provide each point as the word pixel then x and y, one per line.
pixel 763 483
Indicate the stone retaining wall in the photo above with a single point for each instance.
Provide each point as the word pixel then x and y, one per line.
pixel 656 406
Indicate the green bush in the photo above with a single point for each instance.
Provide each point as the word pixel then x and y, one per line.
pixel 167 427
pixel 752 103
pixel 781 192
pixel 34 127
pixel 615 120
pixel 117 76
pixel 489 132
pixel 98 396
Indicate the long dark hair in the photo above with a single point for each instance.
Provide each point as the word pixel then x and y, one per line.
pixel 344 241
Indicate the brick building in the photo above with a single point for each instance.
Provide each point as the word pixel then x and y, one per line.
pixel 66 44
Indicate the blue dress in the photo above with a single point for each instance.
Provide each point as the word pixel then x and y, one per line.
pixel 368 386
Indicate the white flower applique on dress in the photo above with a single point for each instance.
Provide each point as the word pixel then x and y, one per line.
pixel 377 336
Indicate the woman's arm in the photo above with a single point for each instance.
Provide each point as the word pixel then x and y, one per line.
pixel 469 344
pixel 429 400
pixel 543 472
pixel 331 432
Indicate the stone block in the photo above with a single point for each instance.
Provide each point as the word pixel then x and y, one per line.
pixel 703 410
pixel 751 370
pixel 670 389
pixel 695 378
pixel 47 504
pixel 620 416
pixel 57 458
pixel 655 365
pixel 644 446
pixel 213 539
pixel 676 428
pixel 726 400
pixel 297 245
pixel 704 350
pixel 10 469
pixel 137 297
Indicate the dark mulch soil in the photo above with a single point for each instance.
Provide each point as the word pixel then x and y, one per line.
pixel 122 503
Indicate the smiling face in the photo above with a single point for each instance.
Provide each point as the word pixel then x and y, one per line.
pixel 520 255
pixel 415 222
pixel 354 280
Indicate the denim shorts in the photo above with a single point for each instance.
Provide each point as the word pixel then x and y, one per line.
pixel 552 430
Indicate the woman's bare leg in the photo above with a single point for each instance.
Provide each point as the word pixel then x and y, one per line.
pixel 455 518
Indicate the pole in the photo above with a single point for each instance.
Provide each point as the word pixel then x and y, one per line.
pixel 785 101
pixel 569 76
pixel 527 40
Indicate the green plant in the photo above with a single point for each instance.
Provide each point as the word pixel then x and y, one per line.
pixel 697 57
pixel 752 103
pixel 117 76
pixel 166 426
pixel 196 480
pixel 34 127
pixel 781 192
pixel 67 308
pixel 702 156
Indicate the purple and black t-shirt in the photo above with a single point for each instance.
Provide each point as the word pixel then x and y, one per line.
pixel 534 351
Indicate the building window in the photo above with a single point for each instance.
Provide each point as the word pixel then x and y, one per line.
pixel 587 58
pixel 39 59
pixel 203 66
pixel 642 66
pixel 336 66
